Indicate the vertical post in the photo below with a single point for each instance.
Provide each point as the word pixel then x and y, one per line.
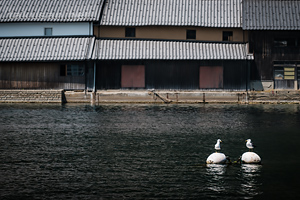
pixel 85 78
pixel 91 28
pixel 247 65
pixel 93 94
pixel 94 81
pixel 248 79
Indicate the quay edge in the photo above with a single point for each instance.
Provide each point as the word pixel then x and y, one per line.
pixel 150 96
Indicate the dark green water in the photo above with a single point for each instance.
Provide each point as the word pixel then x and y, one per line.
pixel 146 151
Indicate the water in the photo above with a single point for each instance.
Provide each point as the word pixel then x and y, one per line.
pixel 146 151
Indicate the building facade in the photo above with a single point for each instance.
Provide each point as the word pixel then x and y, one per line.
pixel 47 44
pixel 172 45
pixel 274 37
pixel 179 45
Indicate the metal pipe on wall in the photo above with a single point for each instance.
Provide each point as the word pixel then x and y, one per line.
pixel 94 82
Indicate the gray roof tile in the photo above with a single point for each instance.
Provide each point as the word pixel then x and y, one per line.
pixel 205 13
pixel 271 15
pixel 46 49
pixel 169 50
pixel 50 10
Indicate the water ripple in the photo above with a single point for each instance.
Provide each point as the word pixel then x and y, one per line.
pixel 77 151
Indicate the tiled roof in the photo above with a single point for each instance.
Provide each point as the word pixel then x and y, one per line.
pixel 46 49
pixel 271 14
pixel 81 48
pixel 168 50
pixel 50 10
pixel 205 13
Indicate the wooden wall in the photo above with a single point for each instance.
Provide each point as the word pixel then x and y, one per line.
pixel 159 74
pixel 266 52
pixel 42 75
pixel 172 74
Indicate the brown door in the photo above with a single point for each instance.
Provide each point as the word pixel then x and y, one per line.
pixel 211 77
pixel 133 76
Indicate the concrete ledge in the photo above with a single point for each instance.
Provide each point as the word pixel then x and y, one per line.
pixel 198 96
pixel 150 96
pixel 78 96
pixel 162 96
pixel 275 97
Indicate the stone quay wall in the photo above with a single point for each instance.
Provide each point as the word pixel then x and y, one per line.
pixel 31 96
pixel 197 96
pixel 150 96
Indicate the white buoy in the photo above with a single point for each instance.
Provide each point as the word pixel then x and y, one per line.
pixel 251 158
pixel 216 158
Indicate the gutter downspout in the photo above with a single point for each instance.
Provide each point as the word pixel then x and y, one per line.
pixel 94 82
pixel 91 28
pixel 93 94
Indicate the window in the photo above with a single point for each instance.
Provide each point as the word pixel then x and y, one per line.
pixel 227 36
pixel 284 73
pixel 63 70
pixel 129 32
pixel 190 34
pixel 48 31
pixel 278 73
pixel 75 70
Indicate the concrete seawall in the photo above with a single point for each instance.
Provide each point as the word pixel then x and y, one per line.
pixel 148 96
pixel 31 96
pixel 197 96
pixel 168 97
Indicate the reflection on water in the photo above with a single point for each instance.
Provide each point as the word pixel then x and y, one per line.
pixel 146 151
pixel 215 177
pixel 250 183
pixel 237 181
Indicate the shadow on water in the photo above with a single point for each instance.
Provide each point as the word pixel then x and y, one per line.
pixel 77 151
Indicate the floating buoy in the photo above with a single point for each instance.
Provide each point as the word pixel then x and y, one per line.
pixel 216 158
pixel 251 158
